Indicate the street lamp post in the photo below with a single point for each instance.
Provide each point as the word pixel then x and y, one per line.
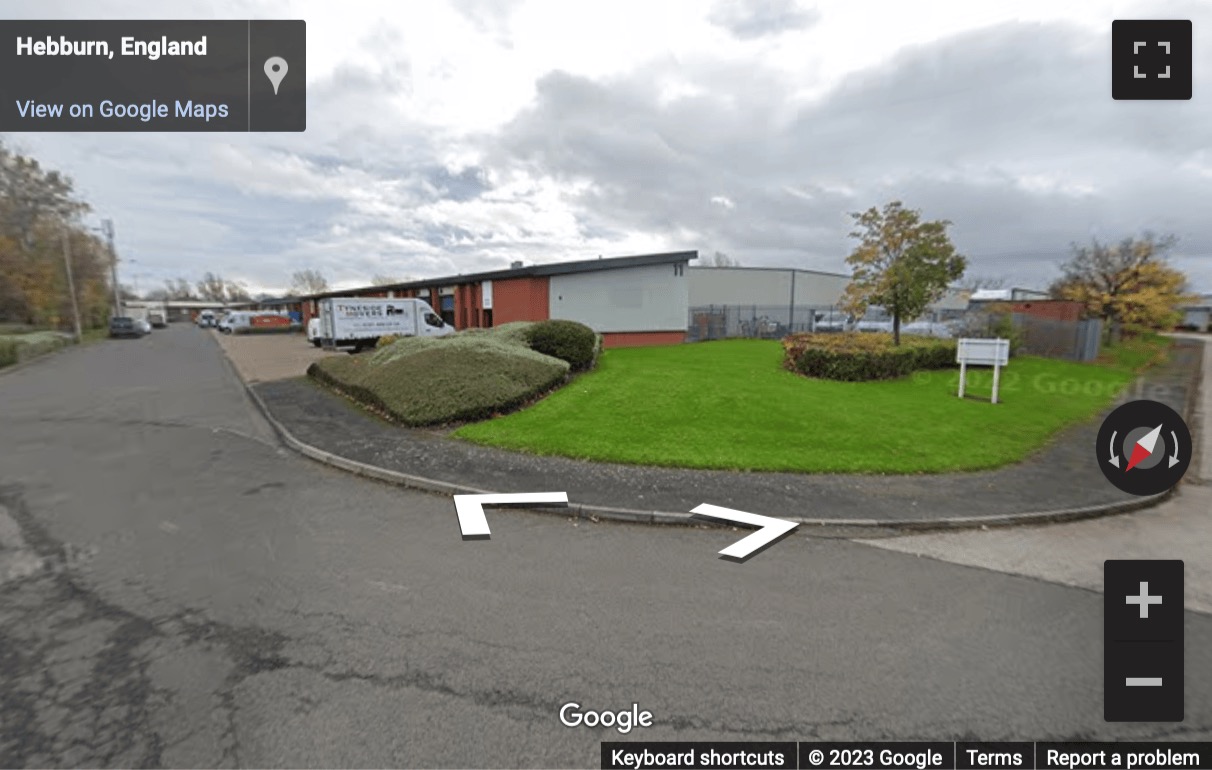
pixel 71 284
pixel 107 227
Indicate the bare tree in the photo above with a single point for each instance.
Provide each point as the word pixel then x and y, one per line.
pixel 305 282
pixel 179 289
pixel 979 282
pixel 237 292
pixel 718 259
pixel 212 288
pixel 388 280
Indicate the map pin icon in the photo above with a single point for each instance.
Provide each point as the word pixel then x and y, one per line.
pixel 275 70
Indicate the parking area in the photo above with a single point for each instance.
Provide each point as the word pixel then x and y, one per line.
pixel 267 357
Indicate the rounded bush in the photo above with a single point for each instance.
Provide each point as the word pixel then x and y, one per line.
pixel 568 341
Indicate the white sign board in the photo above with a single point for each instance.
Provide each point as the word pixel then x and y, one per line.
pixel 486 295
pixel 995 353
pixel 983 352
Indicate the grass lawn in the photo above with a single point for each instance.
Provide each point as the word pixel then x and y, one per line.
pixel 730 405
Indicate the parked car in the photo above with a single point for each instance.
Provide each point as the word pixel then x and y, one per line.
pixel 831 321
pixel 143 325
pixel 121 326
pixel 868 325
pixel 929 329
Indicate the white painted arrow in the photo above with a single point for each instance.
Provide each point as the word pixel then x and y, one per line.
pixel 770 529
pixel 1114 457
pixel 1174 457
pixel 470 508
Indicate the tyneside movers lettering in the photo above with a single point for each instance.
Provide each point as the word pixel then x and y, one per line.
pixel 129 46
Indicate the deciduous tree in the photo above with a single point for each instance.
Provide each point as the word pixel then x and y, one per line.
pixel 38 213
pixel 901 263
pixel 1129 283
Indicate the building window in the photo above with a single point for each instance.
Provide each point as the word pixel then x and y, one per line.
pixel 679 268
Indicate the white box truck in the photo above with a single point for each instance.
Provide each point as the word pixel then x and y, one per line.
pixel 157 314
pixel 360 322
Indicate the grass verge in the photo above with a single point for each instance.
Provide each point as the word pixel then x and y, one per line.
pixel 26 345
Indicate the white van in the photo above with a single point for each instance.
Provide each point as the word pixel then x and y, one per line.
pixel 206 318
pixel 313 331
pixel 360 322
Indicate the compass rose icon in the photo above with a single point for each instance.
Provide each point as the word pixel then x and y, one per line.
pixel 1144 447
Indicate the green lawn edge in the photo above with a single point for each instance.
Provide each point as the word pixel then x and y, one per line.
pixel 729 405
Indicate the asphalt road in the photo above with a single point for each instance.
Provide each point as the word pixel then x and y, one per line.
pixel 178 590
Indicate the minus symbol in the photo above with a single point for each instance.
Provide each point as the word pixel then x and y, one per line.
pixel 1144 681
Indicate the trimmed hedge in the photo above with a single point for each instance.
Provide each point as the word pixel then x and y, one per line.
pixel 420 381
pixel 854 357
pixel 568 341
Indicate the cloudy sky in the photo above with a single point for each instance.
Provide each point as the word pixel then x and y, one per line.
pixel 451 136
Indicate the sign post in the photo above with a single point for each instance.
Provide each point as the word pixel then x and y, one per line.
pixel 995 353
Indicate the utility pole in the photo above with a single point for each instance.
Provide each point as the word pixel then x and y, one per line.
pixel 71 284
pixel 107 227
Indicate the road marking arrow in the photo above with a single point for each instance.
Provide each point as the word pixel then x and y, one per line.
pixel 1114 456
pixel 1174 458
pixel 470 508
pixel 770 530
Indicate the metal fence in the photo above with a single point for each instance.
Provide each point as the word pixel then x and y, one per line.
pixel 1073 340
pixel 717 322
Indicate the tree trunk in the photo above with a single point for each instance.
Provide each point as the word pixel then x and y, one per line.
pixel 896 329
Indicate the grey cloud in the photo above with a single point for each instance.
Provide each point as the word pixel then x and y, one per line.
pixel 1000 130
pixel 751 19
pixel 464 186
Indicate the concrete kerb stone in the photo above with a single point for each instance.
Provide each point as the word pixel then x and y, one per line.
pixel 577 510
pixel 583 511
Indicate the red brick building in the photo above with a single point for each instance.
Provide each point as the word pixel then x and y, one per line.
pixel 630 301
pixel 1051 309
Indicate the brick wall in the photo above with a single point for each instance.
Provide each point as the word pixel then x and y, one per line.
pixel 519 299
pixel 641 339
pixel 1052 309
